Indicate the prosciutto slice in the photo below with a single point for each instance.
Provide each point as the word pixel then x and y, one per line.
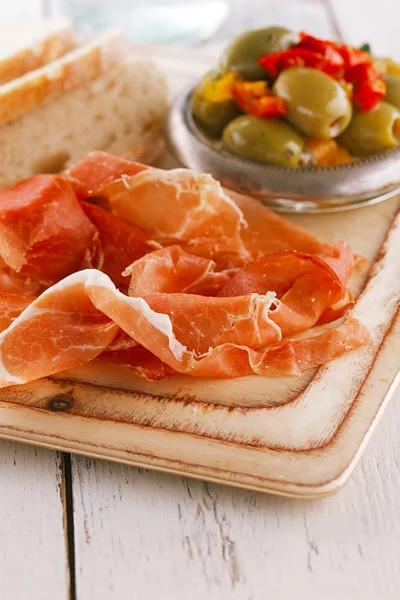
pixel 11 306
pixel 121 242
pixel 177 197
pixel 97 170
pixel 172 270
pixel 177 206
pixel 307 289
pixel 75 320
pixel 44 233
pixel 194 280
pixel 13 283
pixel 140 360
pixel 310 289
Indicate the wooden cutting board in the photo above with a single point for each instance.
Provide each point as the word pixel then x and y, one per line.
pixel 297 436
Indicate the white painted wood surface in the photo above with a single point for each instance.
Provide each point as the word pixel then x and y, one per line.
pixel 143 535
pixel 33 550
pixel 148 535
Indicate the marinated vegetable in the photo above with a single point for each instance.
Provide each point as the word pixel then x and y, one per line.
pixel 254 98
pixel 242 54
pixel 316 104
pixel 267 140
pixel 372 131
pixel 212 114
pixel 306 101
pixel 369 88
pixel 327 153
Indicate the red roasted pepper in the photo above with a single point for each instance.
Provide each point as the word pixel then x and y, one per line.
pixel 294 57
pixel 362 72
pixel 254 98
pixel 368 87
pixel 352 56
pixel 367 94
pixel 337 60
pixel 309 52
pixel 334 61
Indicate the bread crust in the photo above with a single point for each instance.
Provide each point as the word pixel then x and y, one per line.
pixel 54 42
pixel 53 80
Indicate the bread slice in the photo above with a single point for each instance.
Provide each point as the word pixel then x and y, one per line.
pixel 53 80
pixel 112 113
pixel 28 45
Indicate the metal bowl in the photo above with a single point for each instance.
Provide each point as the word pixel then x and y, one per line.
pixel 308 189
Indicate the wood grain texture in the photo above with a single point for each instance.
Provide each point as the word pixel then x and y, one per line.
pixel 163 536
pixel 33 545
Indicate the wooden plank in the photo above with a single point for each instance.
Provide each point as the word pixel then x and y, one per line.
pixel 163 536
pixel 33 548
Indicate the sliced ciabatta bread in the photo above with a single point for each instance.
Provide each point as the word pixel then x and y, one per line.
pixel 112 113
pixel 83 64
pixel 25 46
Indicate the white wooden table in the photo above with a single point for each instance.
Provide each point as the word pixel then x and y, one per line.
pixel 77 528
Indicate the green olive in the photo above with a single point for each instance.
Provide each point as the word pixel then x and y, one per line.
pixel 267 140
pixel 242 54
pixel 372 131
pixel 393 90
pixel 212 116
pixel 316 104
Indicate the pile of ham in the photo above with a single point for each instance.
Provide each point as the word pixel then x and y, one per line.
pixel 165 273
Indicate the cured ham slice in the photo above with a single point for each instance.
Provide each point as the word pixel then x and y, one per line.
pixel 177 206
pixel 44 233
pixel 201 323
pixel 13 283
pixel 185 207
pixel 121 242
pixel 311 289
pixel 219 286
pixel 267 232
pixel 181 206
pixel 139 360
pixel 172 270
pixel 281 270
pixel 295 356
pixel 306 287
pixel 122 349
pixel 59 329
pixel 75 320
pixel 11 306
pixel 97 170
